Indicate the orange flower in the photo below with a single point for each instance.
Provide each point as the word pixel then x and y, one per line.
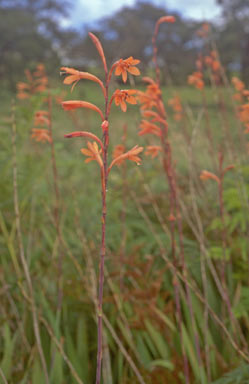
pixel 238 84
pixel 41 118
pixel 204 30
pixel 124 96
pixel 153 90
pixel 244 113
pixel 175 103
pixel 75 76
pixel 35 83
pixel 153 150
pixel 75 104
pixel 127 65
pixel 166 19
pixel 147 127
pixel 130 155
pixel 215 65
pixel 205 175
pixel 208 60
pixel 118 150
pixel 171 217
pixel 93 152
pixel 146 100
pixel 42 135
pixel 196 80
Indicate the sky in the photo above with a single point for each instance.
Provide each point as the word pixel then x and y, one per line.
pixel 89 11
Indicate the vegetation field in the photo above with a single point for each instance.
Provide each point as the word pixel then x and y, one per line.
pixel 124 224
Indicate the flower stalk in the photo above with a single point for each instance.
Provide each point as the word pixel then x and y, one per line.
pixel 93 153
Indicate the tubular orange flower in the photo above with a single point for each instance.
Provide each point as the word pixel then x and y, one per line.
pixel 205 175
pixel 166 19
pixel 197 80
pixel 153 150
pixel 99 47
pixel 229 168
pixel 204 30
pixel 163 19
pixel 93 152
pixel 124 96
pixel 74 104
pixel 75 76
pixel 84 134
pixel 171 217
pixel 118 150
pixel 147 127
pixel 41 118
pixel 176 105
pixel 130 155
pixel 127 65
pixel 41 135
pixel 146 101
pixel 244 114
pixel 238 84
pixel 36 83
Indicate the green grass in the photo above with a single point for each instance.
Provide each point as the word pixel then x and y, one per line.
pixel 139 294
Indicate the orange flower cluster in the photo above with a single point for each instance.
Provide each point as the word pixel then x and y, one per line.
pixel 242 95
pixel 120 97
pixel 176 105
pixel 212 61
pixel 203 32
pixel 196 79
pixel 41 134
pixel 36 83
pixel 150 97
pixel 244 116
pixel 41 118
pixel 127 65
pixel 153 113
pixel 146 127
pixel 153 150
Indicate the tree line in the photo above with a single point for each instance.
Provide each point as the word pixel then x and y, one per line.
pixel 32 32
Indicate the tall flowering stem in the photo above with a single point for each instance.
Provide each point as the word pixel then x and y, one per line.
pixel 100 155
pixel 168 168
pixel 153 109
pixel 206 175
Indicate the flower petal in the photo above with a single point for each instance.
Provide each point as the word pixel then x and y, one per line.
pixel 123 106
pixel 124 75
pixel 134 71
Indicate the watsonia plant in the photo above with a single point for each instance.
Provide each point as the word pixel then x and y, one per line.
pixel 155 122
pixel 97 148
pixel 37 83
